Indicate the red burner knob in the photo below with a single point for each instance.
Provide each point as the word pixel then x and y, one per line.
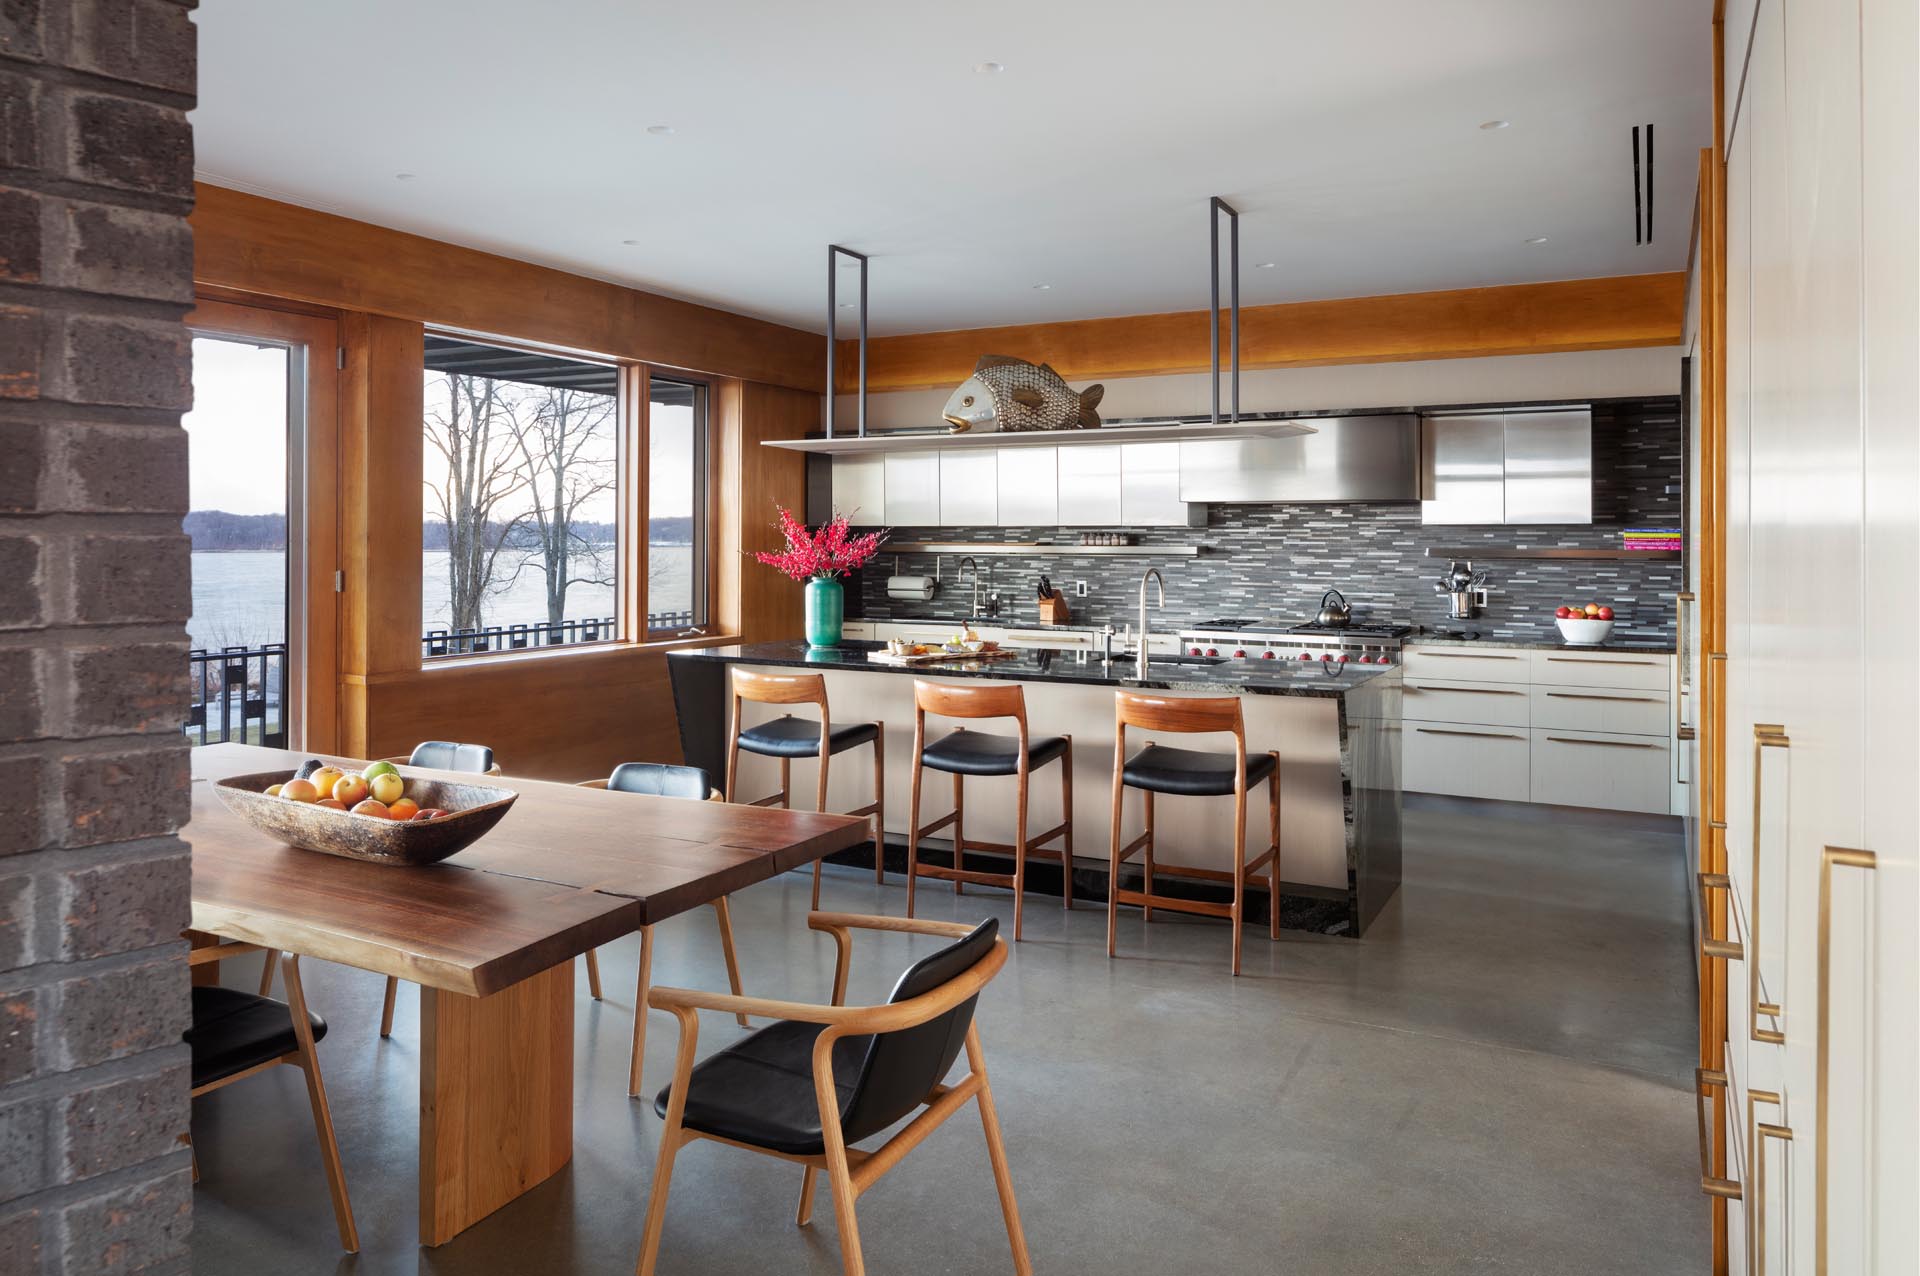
pixel 1383 660
pixel 1344 657
pixel 1326 655
pixel 1213 651
pixel 1193 651
pixel 1366 660
pixel 1267 654
pixel 1240 653
pixel 1306 655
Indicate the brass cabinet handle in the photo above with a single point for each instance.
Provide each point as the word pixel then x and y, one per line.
pixel 1705 1079
pixel 1831 857
pixel 1711 945
pixel 1595 660
pixel 1685 733
pixel 1477 735
pixel 1605 744
pixel 1766 735
pixel 1680 601
pixel 1763 1130
pixel 1466 691
pixel 1571 695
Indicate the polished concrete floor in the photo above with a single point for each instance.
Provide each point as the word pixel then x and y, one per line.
pixel 1494 1081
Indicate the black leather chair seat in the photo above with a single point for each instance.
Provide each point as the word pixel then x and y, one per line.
pixel 1190 772
pixel 800 737
pixel 233 1031
pixel 980 753
pixel 759 1090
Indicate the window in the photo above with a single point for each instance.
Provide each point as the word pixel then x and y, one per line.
pixel 521 502
pixel 676 506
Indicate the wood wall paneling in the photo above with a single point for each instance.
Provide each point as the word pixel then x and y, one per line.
pixel 770 604
pixel 260 246
pixel 1579 314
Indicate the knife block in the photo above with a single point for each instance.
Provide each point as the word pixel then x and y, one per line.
pixel 1053 609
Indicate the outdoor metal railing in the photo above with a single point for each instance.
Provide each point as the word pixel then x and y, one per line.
pixel 238 694
pixel 497 638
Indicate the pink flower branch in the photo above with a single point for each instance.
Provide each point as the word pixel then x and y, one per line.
pixel 829 552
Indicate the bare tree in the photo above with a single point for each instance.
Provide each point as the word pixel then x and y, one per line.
pixel 566 451
pixel 475 435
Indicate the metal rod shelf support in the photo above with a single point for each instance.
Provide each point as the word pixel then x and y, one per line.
pixel 834 253
pixel 1216 207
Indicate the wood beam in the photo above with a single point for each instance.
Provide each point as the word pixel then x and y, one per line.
pixel 1575 314
pixel 247 244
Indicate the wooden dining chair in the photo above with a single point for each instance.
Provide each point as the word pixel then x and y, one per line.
pixel 822 1078
pixel 1191 773
pixel 788 737
pixel 237 1034
pixel 660 779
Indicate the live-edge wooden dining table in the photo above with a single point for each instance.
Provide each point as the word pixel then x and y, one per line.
pixel 490 936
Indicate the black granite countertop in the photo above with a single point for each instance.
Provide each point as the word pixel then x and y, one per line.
pixel 1231 677
pixel 1625 642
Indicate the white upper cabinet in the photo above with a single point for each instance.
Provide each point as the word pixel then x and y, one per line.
pixel 969 489
pixel 1090 486
pixel 912 489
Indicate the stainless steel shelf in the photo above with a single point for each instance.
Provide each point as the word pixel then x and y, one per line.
pixel 940 440
pixel 1598 555
pixel 1034 549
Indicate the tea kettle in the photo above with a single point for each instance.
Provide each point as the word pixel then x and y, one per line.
pixel 1334 611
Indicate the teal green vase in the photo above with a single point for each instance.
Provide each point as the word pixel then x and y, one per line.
pixel 826 610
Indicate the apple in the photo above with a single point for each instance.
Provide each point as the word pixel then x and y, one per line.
pixel 273 790
pixel 386 787
pixel 324 779
pixel 332 804
pixel 404 809
pixel 350 789
pixel 378 768
pixel 430 813
pixel 377 810
pixel 1606 613
pixel 1592 610
pixel 297 790
pixel 1562 612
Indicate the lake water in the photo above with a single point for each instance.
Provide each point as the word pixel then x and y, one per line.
pixel 239 598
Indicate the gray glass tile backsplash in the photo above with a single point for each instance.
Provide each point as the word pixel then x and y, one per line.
pixel 1273 562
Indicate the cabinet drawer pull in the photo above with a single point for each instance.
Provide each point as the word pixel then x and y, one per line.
pixel 1474 735
pixel 1463 655
pixel 1764 1130
pixel 1831 857
pixel 1766 735
pixel 1467 691
pixel 1571 695
pixel 1594 660
pixel 1710 944
pixel 1705 1079
pixel 1685 733
pixel 1605 744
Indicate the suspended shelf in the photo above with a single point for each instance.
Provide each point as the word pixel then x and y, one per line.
pixel 1105 436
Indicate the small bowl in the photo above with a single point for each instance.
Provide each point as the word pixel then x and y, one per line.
pixel 472 809
pixel 1583 633
pixel 974 644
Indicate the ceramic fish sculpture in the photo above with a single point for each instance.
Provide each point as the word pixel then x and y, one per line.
pixel 1005 393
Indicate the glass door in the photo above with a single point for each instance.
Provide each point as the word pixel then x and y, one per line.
pixel 261 468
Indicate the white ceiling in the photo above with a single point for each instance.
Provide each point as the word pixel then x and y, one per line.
pixel 1346 132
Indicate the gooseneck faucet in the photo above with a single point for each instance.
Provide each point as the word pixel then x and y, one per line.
pixel 1160 585
pixel 973 570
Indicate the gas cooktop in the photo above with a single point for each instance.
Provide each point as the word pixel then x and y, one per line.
pixel 1248 625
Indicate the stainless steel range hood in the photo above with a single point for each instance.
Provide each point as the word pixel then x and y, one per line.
pixel 1347 458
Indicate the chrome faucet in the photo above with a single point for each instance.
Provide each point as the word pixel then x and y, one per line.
pixel 973 570
pixel 1153 574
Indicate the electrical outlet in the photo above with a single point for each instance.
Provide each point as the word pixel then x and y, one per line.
pixel 1079 589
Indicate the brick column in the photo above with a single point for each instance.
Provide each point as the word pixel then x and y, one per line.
pixel 96 266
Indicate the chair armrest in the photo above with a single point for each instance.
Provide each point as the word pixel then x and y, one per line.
pixel 727 1003
pixel 910 925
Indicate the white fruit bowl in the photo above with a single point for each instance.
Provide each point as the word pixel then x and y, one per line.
pixel 1584 633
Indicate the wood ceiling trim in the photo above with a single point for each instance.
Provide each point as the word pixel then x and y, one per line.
pixel 1619 312
pixel 265 248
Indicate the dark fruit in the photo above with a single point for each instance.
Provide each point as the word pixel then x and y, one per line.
pixel 307 768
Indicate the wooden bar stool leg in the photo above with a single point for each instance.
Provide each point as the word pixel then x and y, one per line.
pixel 593 974
pixel 1113 861
pixel 959 830
pixel 1273 838
pixel 880 802
pixel 1066 813
pixel 1239 869
pixel 386 1010
pixel 643 987
pixel 1020 852
pixel 820 804
pixel 1147 862
pixel 913 829
pixel 725 914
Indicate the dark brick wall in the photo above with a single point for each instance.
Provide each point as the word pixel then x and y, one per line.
pixel 1274 561
pixel 96 264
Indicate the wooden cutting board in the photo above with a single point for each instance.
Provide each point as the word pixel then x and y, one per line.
pixel 940 657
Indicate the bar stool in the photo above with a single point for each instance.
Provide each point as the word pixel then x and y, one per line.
pixel 1191 773
pixel 963 753
pixel 787 738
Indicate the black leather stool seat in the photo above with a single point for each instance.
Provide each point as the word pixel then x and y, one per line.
pixel 1190 772
pixel 233 1031
pixel 980 753
pixel 760 1090
pixel 800 737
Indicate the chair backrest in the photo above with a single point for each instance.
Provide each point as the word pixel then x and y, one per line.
pixel 780 688
pixel 991 700
pixel 660 779
pixel 1197 714
pixel 902 1067
pixel 444 755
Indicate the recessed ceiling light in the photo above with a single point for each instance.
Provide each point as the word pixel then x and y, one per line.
pixel 403 177
pixel 660 130
pixel 989 68
pixel 1494 124
pixel 1043 287
pixel 631 243
pixel 1538 239
pixel 1265 265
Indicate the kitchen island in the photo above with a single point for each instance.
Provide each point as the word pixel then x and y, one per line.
pixel 1335 727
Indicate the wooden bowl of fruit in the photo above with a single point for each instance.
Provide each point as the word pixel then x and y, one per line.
pixel 376 814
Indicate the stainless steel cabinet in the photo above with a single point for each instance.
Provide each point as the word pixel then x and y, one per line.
pixel 1090 486
pixel 1507 467
pixel 912 489
pixel 1029 481
pixel 1351 458
pixel 1150 485
pixel 969 489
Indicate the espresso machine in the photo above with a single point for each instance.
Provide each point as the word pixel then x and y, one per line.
pixel 1465 590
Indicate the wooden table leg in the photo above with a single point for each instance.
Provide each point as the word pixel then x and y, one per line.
pixel 641 988
pixel 496 1097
